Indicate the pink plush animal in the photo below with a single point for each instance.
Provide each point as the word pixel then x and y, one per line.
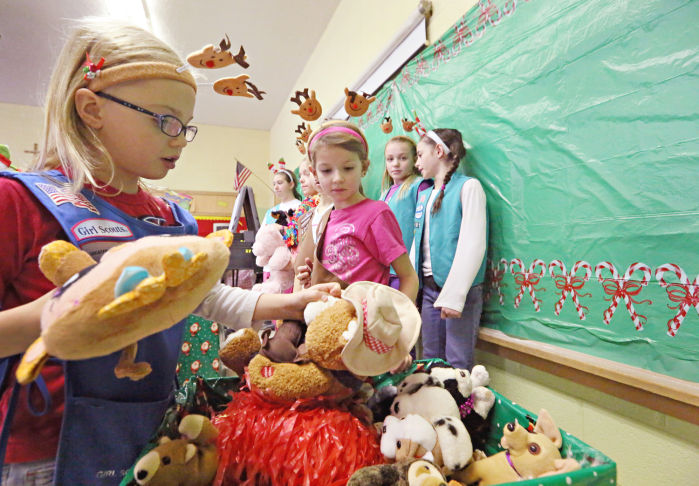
pixel 527 455
pixel 271 251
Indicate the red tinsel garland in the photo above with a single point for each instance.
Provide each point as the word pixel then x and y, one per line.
pixel 270 444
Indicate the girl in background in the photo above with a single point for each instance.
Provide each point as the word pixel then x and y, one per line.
pixel 359 239
pixel 400 185
pixel 108 124
pixel 284 186
pixel 449 250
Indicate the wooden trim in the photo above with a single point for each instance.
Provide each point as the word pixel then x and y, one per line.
pixel 675 397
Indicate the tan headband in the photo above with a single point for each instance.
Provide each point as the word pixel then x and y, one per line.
pixel 139 70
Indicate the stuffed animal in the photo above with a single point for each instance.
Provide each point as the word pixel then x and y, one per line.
pixel 527 455
pixel 444 397
pixel 403 473
pixel 271 251
pixel 387 125
pixel 342 335
pixel 356 104
pixel 298 409
pixel 309 108
pixel 210 57
pixel 469 391
pixel 137 289
pixel 189 461
pixel 239 348
pixel 238 86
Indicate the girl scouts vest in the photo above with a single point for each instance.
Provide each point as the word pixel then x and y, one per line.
pixel 442 242
pixel 120 415
pixel 404 210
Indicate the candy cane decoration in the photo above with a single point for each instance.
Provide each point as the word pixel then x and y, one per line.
pixel 496 274
pixel 685 293
pixel 622 288
pixel 569 283
pixel 528 280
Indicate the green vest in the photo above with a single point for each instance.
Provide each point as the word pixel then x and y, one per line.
pixel 404 210
pixel 443 241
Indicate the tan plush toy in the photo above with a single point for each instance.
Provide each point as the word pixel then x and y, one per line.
pixel 527 455
pixel 309 108
pixel 137 289
pixel 369 331
pixel 189 461
pixel 356 104
pixel 212 57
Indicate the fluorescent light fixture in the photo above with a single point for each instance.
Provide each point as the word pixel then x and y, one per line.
pixel 411 37
pixel 134 11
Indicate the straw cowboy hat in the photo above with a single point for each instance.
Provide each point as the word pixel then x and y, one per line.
pixel 388 325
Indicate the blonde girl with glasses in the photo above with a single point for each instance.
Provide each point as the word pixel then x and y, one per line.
pixel 118 110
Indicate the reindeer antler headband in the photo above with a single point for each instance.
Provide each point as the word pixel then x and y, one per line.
pixel 99 77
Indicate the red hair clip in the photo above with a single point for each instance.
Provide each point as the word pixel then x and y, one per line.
pixel 91 69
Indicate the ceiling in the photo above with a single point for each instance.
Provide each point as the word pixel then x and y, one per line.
pixel 278 35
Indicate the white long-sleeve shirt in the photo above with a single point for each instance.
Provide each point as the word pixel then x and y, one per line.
pixel 470 247
pixel 230 306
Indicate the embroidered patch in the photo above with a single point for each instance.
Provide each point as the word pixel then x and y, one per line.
pixel 100 228
pixel 61 195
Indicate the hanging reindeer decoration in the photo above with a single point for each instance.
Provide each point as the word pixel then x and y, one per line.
pixel 309 108
pixel 357 104
pixel 210 57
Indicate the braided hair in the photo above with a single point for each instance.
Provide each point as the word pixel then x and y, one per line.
pixel 452 139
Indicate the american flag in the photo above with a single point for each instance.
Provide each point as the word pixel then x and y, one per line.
pixel 62 196
pixel 241 175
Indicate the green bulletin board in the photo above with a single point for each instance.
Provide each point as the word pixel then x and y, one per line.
pixel 582 121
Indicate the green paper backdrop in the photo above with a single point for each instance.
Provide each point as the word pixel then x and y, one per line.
pixel 582 117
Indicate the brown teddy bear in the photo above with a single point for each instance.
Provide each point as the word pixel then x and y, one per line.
pixel 298 407
pixel 189 461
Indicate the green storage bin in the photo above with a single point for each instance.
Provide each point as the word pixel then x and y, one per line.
pixel 597 469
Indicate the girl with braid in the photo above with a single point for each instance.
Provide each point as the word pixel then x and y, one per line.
pixel 449 250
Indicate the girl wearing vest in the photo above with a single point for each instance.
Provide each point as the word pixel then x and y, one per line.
pixel 116 112
pixel 358 239
pixel 400 185
pixel 449 250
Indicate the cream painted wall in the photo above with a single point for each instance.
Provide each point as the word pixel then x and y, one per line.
pixel 20 129
pixel 207 164
pixel 351 42
pixel 650 448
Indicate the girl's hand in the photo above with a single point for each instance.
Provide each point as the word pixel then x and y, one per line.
pixel 404 365
pixel 447 313
pixel 311 294
pixel 303 273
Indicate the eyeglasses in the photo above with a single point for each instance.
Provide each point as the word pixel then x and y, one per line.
pixel 169 125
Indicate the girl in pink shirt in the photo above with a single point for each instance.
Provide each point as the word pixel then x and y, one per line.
pixel 359 239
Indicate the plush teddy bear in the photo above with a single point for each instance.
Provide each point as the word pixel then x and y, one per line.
pixel 271 251
pixel 189 461
pixel 527 455
pixel 137 289
pixel 297 408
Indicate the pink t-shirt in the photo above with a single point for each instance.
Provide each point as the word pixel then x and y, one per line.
pixel 361 241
